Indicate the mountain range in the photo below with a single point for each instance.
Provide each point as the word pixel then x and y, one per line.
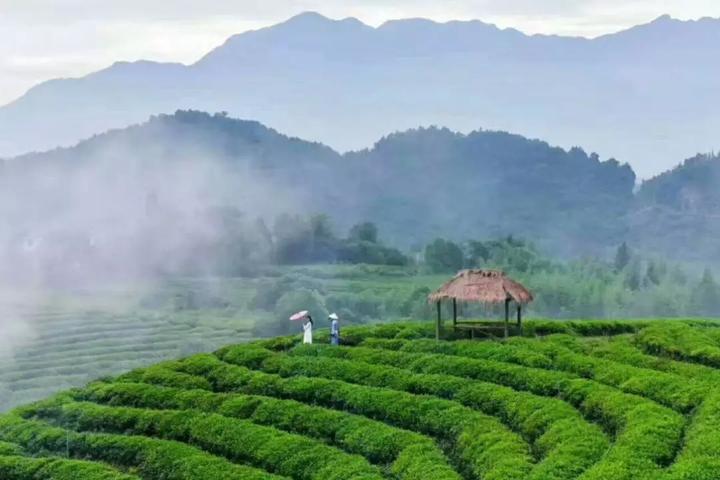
pixel 415 185
pixel 645 96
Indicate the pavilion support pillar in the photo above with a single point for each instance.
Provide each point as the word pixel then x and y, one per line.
pixel 439 319
pixel 519 318
pixel 454 313
pixel 507 317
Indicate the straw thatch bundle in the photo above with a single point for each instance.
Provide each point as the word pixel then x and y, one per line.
pixel 482 286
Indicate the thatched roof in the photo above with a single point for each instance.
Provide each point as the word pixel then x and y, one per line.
pixel 482 286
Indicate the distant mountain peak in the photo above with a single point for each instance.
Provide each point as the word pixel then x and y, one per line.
pixel 308 17
pixel 664 19
pixel 667 20
pixel 312 19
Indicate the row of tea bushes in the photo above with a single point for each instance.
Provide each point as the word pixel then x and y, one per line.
pixel 559 433
pixel 623 349
pixel 552 352
pixel 648 434
pixel 355 335
pixel 680 341
pixel 26 468
pixel 238 440
pixel 489 449
pixel 152 458
pixel 410 455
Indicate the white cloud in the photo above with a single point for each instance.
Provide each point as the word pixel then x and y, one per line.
pixel 43 39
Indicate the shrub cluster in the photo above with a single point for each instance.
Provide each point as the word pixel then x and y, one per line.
pixel 411 455
pixel 647 433
pixel 152 458
pixel 700 456
pixel 680 341
pixel 480 441
pixel 7 448
pixel 25 468
pixel 238 440
pixel 552 352
pixel 565 441
pixel 679 393
pixel 623 349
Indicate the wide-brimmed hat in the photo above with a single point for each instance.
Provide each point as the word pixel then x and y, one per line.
pixel 333 316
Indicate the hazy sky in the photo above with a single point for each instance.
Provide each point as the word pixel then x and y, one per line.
pixel 43 39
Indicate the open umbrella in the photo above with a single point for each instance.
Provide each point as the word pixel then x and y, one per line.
pixel 299 316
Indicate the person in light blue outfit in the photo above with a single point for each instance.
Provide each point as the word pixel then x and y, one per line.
pixel 334 329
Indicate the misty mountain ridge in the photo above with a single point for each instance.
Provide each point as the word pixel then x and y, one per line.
pixel 167 188
pixel 346 84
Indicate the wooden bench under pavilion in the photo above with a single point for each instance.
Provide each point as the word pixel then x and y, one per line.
pixel 491 287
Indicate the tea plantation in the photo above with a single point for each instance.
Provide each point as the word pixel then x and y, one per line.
pixel 75 337
pixel 586 399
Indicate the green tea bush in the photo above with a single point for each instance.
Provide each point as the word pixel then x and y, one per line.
pixel 152 458
pixel 381 444
pixel 622 349
pixel 560 432
pixel 700 456
pixel 483 443
pixel 655 440
pixel 235 439
pixel 24 468
pixel 680 341
pixel 552 353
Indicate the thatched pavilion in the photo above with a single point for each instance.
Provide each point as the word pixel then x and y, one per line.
pixel 481 286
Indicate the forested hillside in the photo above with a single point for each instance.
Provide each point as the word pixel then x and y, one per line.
pixel 187 186
pixel 179 187
pixel 434 182
pixel 681 209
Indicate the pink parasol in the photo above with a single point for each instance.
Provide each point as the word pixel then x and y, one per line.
pixel 299 316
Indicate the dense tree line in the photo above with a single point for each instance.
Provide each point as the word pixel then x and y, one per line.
pixel 629 285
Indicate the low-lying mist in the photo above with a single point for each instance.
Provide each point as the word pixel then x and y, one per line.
pixel 137 209
pixel 125 215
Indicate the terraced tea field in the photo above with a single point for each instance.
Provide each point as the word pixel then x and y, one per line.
pixel 589 400
pixel 68 346
pixel 76 337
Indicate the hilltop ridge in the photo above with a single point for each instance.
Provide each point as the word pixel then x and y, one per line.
pixel 346 84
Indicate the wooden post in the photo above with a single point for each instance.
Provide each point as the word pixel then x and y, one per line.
pixel 519 318
pixel 507 317
pixel 437 324
pixel 454 313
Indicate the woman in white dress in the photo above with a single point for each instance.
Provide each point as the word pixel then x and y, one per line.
pixel 307 328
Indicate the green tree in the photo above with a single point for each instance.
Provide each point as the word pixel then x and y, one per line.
pixel 706 297
pixel 364 232
pixel 478 253
pixel 622 257
pixel 321 228
pixel 443 256
pixel 653 274
pixel 633 277
pixel 416 305
pixel 678 276
pixel 293 242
